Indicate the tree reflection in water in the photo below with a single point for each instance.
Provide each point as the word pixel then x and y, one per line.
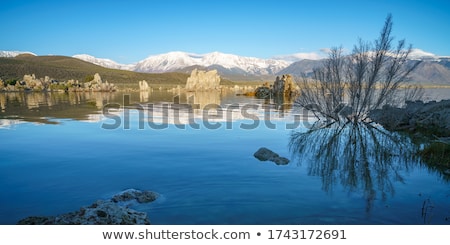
pixel 359 156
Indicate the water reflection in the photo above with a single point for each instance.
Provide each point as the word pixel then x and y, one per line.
pixel 283 102
pixel 42 107
pixel 360 157
pixel 203 99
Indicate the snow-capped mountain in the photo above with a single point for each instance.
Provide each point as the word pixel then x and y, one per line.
pixel 302 56
pixel 173 61
pixel 10 54
pixel 104 62
pixel 418 54
pixel 433 69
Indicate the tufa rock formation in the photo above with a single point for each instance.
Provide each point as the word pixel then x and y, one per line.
pixel 31 83
pixel 143 85
pixel 98 85
pixel 203 80
pixel 284 85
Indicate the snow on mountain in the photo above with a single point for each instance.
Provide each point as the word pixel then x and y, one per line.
pixel 104 62
pixel 177 60
pixel 167 62
pixel 226 63
pixel 418 54
pixel 10 54
pixel 301 56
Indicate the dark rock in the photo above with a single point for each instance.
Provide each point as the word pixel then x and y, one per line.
pixel 133 194
pixel 123 197
pixel 264 154
pixel 262 92
pixel 146 197
pixel 100 213
pixel 280 161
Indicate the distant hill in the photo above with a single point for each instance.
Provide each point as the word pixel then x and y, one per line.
pixel 64 68
pixel 429 72
pixel 301 67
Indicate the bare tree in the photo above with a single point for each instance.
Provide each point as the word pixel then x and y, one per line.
pixel 347 87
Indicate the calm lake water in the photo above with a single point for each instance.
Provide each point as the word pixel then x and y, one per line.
pixel 59 152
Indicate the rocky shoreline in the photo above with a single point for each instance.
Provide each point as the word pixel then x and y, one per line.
pixel 432 118
pixel 115 211
pixel 429 125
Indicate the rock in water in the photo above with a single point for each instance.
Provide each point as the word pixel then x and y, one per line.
pixel 280 161
pixel 264 154
pixel 262 92
pixel 284 85
pixel 133 194
pixel 99 213
pixel 102 212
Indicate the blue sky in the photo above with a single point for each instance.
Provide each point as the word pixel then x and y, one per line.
pixel 129 31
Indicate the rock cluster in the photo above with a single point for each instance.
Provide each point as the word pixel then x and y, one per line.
pixel 264 154
pixel 203 80
pixel 433 117
pixel 98 85
pixel 284 85
pixel 102 212
pixel 31 83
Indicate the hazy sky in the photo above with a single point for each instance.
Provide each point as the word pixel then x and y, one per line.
pixel 131 30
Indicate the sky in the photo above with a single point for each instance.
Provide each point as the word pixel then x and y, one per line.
pixel 129 31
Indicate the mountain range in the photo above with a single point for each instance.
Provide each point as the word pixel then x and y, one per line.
pixel 432 70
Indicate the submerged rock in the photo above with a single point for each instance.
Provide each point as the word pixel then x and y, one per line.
pixel 102 212
pixel 37 220
pixel 280 160
pixel 133 194
pixel 99 213
pixel 264 154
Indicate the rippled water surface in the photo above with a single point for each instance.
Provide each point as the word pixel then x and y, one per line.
pixel 57 154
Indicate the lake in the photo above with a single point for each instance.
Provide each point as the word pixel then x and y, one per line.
pixel 60 151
